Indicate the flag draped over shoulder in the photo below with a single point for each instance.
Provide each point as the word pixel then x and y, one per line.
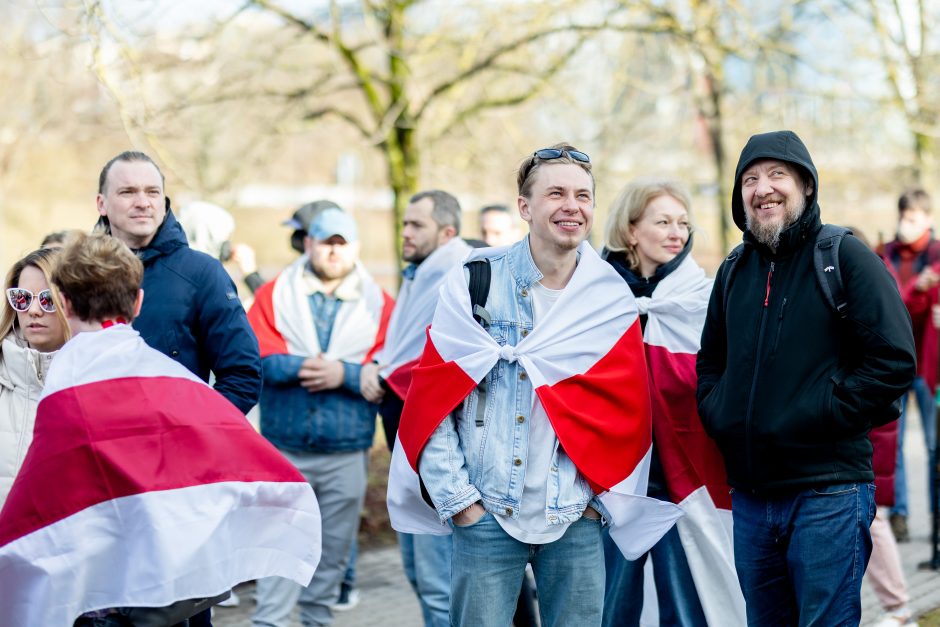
pixel 283 322
pixel 694 469
pixel 412 315
pixel 142 487
pixel 585 360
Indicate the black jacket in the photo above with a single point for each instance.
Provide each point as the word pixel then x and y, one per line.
pixel 787 389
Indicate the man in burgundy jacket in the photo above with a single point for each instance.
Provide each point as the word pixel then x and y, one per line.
pixel 914 258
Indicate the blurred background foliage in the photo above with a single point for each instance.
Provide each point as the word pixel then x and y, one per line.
pixel 262 105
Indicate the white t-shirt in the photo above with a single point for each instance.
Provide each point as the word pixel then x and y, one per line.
pixel 531 525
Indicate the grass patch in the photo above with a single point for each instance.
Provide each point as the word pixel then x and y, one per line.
pixel 374 529
pixel 930 619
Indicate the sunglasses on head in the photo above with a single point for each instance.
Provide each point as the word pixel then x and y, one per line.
pixel 547 154
pixel 21 299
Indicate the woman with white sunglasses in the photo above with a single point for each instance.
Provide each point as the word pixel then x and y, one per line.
pixel 33 328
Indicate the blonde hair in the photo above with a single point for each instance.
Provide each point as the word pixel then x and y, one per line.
pixel 525 177
pixel 629 207
pixel 100 276
pixel 44 260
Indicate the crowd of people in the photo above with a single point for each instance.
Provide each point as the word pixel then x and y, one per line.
pixel 560 419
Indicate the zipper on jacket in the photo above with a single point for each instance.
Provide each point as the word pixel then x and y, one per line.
pixel 769 274
pixel 750 400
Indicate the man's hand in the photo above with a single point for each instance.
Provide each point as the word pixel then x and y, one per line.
pixel 935 314
pixel 369 383
pixel 926 279
pixel 318 374
pixel 469 516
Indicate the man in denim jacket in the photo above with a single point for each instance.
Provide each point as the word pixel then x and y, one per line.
pixel 496 470
pixel 317 323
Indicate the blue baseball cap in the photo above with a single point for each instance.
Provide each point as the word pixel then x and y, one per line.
pixel 334 222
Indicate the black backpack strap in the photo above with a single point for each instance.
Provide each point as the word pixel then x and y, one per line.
pixel 479 287
pixel 731 262
pixel 826 265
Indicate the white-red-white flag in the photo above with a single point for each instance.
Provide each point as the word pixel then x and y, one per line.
pixel 412 315
pixel 142 487
pixel 586 363
pixel 694 469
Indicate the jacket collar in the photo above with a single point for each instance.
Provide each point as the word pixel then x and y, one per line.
pixel 169 237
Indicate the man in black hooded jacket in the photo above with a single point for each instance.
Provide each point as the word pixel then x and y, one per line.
pixel 789 391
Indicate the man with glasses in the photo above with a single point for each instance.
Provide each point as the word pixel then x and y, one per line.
pixel 519 418
pixel 317 323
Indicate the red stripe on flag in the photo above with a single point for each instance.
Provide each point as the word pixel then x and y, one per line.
pixel 689 457
pixel 261 319
pixel 388 304
pixel 426 405
pixel 400 378
pixel 602 417
pixel 120 437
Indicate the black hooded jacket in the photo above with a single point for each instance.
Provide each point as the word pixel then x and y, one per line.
pixel 787 389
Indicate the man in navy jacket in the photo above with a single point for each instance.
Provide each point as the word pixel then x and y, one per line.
pixel 191 310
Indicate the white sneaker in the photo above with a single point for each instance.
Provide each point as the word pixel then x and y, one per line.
pixel 232 601
pixel 348 599
pixel 897 618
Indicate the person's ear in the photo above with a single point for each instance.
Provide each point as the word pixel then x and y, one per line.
pixel 523 204
pixel 66 305
pixel 139 302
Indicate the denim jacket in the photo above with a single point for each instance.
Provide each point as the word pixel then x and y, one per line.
pixel 463 461
pixel 331 421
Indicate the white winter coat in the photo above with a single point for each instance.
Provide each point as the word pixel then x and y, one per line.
pixel 22 371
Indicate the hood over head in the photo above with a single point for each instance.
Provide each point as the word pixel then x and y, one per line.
pixel 780 145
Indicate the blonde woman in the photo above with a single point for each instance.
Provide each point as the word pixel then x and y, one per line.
pixel 648 241
pixel 32 328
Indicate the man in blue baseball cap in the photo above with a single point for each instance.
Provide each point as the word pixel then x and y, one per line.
pixel 317 323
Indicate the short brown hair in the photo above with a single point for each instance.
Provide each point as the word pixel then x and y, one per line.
pixel 914 198
pixel 531 164
pixel 100 276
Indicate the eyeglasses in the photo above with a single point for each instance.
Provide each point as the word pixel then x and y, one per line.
pixel 547 154
pixel 21 299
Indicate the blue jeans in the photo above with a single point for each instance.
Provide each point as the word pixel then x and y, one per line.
pixel 489 565
pixel 426 560
pixel 926 407
pixel 675 590
pixel 801 556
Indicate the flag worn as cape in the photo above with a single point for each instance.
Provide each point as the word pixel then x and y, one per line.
pixel 585 360
pixel 694 469
pixel 143 486
pixel 283 322
pixel 413 310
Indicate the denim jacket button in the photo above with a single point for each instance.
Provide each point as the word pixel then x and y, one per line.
pixel 520 419
pixel 517 462
pixel 522 376
pixel 525 332
pixel 509 511
pixel 524 292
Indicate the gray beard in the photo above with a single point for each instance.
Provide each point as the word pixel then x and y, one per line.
pixel 768 234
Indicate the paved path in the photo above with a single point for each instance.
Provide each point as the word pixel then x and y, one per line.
pixel 387 600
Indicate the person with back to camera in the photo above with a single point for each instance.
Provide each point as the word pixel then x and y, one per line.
pixel 648 241
pixel 33 329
